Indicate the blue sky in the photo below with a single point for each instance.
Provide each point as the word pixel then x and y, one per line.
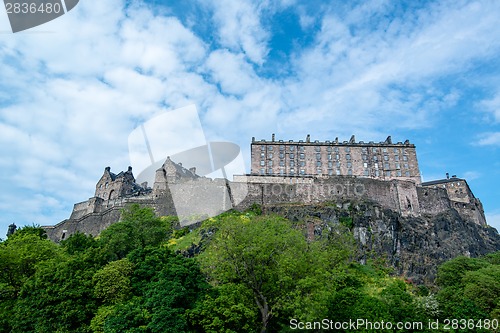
pixel 73 89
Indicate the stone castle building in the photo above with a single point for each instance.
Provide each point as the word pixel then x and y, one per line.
pixel 282 172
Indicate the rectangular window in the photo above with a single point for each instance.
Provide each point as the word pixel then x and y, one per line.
pixel 292 163
pixel 396 150
pixel 347 149
pixel 282 147
pixel 262 171
pixel 406 165
pixel 317 148
pixel 318 163
pixel 366 172
pixel 318 156
pixel 270 163
pixel 270 155
pixel 349 172
pixel 282 155
pixel 270 171
pixel 282 163
pixel 282 172
pixel 396 157
pixel 330 172
pixel 364 150
pixel 262 155
pixel 302 156
pixel 338 165
pixel 348 157
pixel 387 173
pixel 384 150
pixel 399 173
pixel 319 171
pixel 330 164
pixel 364 157
pixel 301 148
pixel 302 172
pixel 365 165
pixel 386 166
pixel 337 157
pixel 262 147
pixel 337 172
pixel 292 148
pixel 270 148
pixel 329 149
pixel 302 163
pixel 292 156
pixel 376 165
pixel 329 156
pixel 374 150
pixel 377 173
pixel 386 157
pixel 375 158
pixel 407 173
pixel 262 163
pixel 349 164
pixel 405 158
pixel 397 166
pixel 336 149
pixel 292 171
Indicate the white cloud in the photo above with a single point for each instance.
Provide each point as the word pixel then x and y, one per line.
pixel 492 106
pixel 493 219
pixel 489 139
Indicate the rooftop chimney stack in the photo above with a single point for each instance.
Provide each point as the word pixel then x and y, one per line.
pixel 447 175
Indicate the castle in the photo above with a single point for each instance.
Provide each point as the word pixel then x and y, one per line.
pixel 282 172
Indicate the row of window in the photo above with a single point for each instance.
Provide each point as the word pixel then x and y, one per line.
pixel 330 156
pixel 366 172
pixel 336 149
pixel 292 164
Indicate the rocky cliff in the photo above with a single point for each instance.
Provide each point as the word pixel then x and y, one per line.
pixel 414 246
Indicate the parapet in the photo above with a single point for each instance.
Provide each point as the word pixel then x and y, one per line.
pixel 351 142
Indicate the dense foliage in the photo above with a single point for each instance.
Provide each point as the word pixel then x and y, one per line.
pixel 254 273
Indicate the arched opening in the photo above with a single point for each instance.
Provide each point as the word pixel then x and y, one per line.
pixel 111 194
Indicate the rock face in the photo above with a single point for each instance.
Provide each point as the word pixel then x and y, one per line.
pixel 414 246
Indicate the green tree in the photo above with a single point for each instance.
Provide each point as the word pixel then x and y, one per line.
pixel 287 275
pixel 112 283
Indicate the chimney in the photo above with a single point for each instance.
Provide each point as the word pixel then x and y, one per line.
pixel 388 140
pixel 273 137
pixel 253 138
pixel 308 138
pixel 129 169
pixel 193 170
pixel 447 175
pixel 454 176
pixel 353 139
pixel 108 169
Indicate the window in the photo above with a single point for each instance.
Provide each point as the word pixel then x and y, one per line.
pixel 377 173
pixel 292 171
pixel 337 157
pixel 318 163
pixel 406 165
pixel 262 171
pixel 330 164
pixel 282 172
pixel 292 163
pixel 407 173
pixel 338 164
pixel 262 155
pixel 365 165
pixel 396 157
pixel 282 147
pixel 376 165
pixel 386 166
pixel 347 149
pixel 398 166
pixel 405 158
pixel 364 157
pixel 387 173
pixel 399 173
pixel 329 156
pixel 386 157
pixel 329 149
pixel 349 164
pixel 270 171
pixel 318 156
pixel 270 163
pixel 396 150
pixel 349 172
pixel 291 156
pixel 317 148
pixel 262 147
pixel 302 163
pixel 106 185
pixel 384 150
pixel 270 155
pixel 337 172
pixel 366 172
pixel 282 163
pixel 375 158
pixel 319 171
pixel 348 157
pixel 292 148
pixel 262 163
pixel 302 172
pixel 374 150
pixel 270 148
pixel 282 155
pixel 364 150
pixel 330 172
pixel 302 156
pixel 336 149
